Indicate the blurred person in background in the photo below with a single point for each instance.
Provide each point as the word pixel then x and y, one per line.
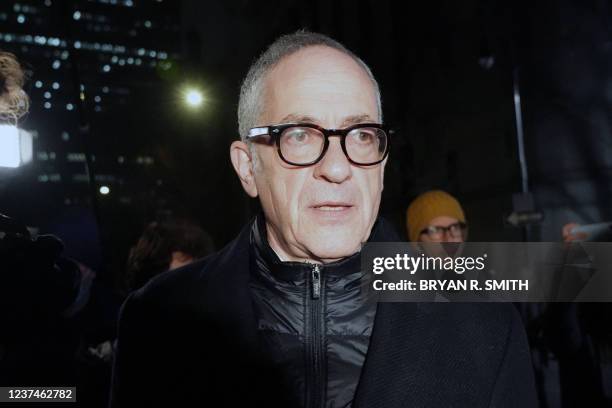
pixel 39 290
pixel 580 334
pixel 14 101
pixel 598 232
pixel 436 216
pixel 57 320
pixel 165 245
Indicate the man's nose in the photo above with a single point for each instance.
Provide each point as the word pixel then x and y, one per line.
pixel 334 166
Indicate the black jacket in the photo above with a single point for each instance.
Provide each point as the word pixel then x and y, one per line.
pixel 314 321
pixel 190 338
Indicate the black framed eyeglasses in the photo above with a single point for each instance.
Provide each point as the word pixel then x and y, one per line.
pixel 305 144
pixel 455 230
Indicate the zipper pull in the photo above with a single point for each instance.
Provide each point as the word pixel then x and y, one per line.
pixel 316 282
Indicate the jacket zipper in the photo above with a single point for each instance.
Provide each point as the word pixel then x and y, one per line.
pixel 315 342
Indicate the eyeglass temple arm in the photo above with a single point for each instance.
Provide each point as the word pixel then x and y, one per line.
pixel 260 131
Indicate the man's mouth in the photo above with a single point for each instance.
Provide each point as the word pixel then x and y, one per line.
pixel 332 206
pixel 332 211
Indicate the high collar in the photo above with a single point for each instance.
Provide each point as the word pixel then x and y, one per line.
pixel 291 270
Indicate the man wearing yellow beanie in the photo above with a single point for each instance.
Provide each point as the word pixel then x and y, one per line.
pixel 436 216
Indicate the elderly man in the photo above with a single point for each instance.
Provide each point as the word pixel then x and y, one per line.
pixel 279 316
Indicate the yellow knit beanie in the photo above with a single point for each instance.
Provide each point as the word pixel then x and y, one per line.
pixel 426 207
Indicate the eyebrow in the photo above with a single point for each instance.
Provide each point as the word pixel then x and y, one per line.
pixel 351 120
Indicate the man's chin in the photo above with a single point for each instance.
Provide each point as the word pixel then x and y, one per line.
pixel 329 246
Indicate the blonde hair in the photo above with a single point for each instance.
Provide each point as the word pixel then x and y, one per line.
pixel 14 102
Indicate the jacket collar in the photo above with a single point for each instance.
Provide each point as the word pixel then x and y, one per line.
pixel 263 253
pixel 266 258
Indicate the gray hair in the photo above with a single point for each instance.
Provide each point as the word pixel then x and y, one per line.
pixel 250 104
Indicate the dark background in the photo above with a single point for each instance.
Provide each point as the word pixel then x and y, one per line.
pixel 106 80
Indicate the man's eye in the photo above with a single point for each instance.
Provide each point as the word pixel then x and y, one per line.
pixel 296 137
pixel 433 230
pixel 365 137
pixel 299 137
pixel 454 228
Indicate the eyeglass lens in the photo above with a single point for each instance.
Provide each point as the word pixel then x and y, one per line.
pixel 455 230
pixel 303 145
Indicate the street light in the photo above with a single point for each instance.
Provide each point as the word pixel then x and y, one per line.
pixel 104 190
pixel 193 97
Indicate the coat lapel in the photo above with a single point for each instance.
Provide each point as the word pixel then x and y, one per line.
pixel 228 299
pixel 385 370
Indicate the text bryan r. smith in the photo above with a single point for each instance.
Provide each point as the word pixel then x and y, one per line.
pixel 454 285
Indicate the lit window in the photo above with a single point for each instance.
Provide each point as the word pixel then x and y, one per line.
pixel 38 84
pixel 77 15
pixel 69 106
pixel 21 19
pixel 47 105
pixel 55 85
pixel 47 95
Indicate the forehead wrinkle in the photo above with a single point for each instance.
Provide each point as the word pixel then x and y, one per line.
pixel 297 118
pixel 355 119
pixel 351 120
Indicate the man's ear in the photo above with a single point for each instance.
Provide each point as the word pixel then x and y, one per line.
pixel 243 164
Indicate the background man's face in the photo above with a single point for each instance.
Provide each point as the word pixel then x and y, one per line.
pixel 325 211
pixel 443 221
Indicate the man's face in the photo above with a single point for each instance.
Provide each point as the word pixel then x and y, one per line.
pixel 446 236
pixel 325 211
